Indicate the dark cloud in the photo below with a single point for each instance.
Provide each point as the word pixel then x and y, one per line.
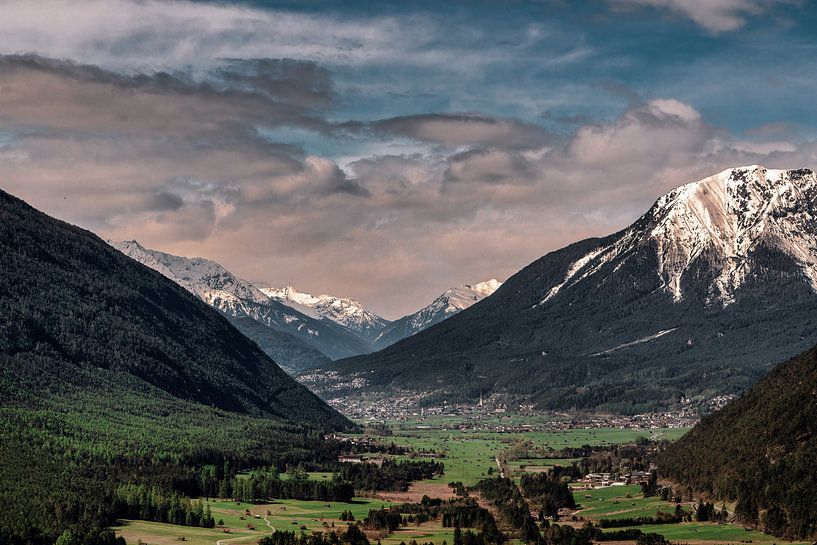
pixel 40 92
pixel 467 129
pixel 165 201
pixel 300 83
pixel 488 166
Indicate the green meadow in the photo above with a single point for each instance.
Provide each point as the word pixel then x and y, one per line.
pixel 469 456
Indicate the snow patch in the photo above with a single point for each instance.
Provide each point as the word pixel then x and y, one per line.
pixel 646 339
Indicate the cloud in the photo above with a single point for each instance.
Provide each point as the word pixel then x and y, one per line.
pixel 166 201
pixel 661 129
pixel 134 34
pixel 177 161
pixel 713 15
pixel 455 130
pixel 63 95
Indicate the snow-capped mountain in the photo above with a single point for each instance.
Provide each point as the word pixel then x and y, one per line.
pixel 720 221
pixel 346 312
pixel 311 342
pixel 701 295
pixel 449 303
pixel 206 279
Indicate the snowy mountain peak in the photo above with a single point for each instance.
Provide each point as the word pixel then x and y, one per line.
pixel 720 222
pixel 446 305
pixel 344 311
pixel 203 277
pixel 462 297
pixel 485 288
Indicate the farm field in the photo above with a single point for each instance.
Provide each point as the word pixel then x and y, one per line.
pixel 538 465
pixel 709 533
pixel 602 505
pixel 287 515
pixel 469 457
pixel 615 502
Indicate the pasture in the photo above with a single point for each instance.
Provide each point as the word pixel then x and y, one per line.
pixel 290 515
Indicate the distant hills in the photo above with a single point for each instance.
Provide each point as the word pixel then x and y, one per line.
pixel 696 298
pixel 299 330
pixel 80 317
pixel 759 451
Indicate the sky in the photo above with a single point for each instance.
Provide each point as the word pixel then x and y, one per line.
pixel 386 151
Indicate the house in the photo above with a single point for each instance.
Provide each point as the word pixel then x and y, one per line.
pixel 350 459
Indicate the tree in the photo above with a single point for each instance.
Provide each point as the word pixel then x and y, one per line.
pixel 652 539
pixel 651 486
pixel 66 538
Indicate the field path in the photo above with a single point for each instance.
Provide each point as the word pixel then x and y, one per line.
pixel 231 539
pixel 501 469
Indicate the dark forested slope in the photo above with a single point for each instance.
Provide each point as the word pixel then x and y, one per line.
pixel 75 312
pixel 760 451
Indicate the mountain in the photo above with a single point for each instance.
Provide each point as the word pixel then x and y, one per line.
pixel 305 341
pixel 346 312
pixel 446 305
pixel 77 314
pixel 697 297
pixel 758 451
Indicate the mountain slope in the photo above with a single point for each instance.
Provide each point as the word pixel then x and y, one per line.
pixel 698 296
pixel 446 305
pixel 78 315
pixel 216 286
pixel 759 451
pixel 345 312
pixel 280 346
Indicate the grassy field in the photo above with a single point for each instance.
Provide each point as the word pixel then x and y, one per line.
pixel 469 456
pixel 615 502
pixel 538 465
pixel 428 532
pixel 708 532
pixel 288 515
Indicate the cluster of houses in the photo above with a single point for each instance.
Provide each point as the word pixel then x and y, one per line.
pixel 361 459
pixel 377 459
pixel 599 480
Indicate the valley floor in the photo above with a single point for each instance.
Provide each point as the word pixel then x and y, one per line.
pixel 469 455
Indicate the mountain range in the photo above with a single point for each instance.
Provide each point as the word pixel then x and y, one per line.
pixel 696 298
pixel 295 339
pixel 297 329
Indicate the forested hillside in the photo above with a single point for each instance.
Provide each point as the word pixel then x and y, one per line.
pixel 77 312
pixel 759 451
pixel 112 374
